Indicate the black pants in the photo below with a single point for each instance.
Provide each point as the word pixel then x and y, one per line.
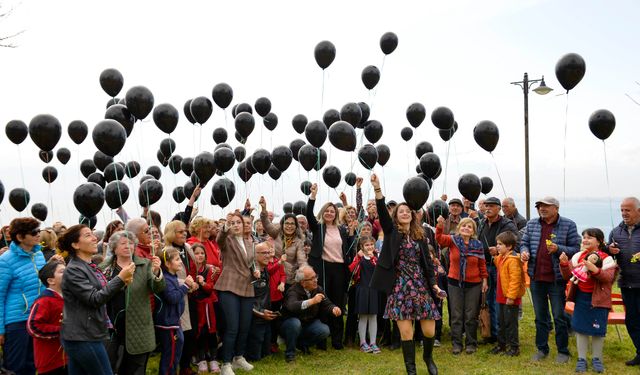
pixel 122 362
pixel 465 307
pixel 275 323
pixel 18 349
pixel 352 317
pixel 508 325
pixel 207 345
pixel 332 277
pixel 190 337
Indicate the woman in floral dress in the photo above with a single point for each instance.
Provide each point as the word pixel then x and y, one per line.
pixel 405 272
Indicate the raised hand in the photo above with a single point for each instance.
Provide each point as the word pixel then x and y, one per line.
pixel 359 182
pixel 263 203
pixel 375 182
pixel 314 191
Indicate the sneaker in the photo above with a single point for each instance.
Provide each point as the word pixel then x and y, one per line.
pixel 471 349
pixel 633 362
pixel 241 363
pixel 562 358
pixel 203 368
pixel 498 349
pixel 214 367
pixel 581 365
pixel 597 365
pixel 456 350
pixel 375 349
pixel 512 352
pixel 539 356
pixel 227 369
pixel 290 358
pixel 436 343
pixel 365 348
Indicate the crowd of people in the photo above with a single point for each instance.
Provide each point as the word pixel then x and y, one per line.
pixel 218 295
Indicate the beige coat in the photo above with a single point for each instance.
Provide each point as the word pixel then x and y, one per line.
pixel 236 276
pixel 296 257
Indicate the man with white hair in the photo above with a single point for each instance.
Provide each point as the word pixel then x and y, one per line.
pixel 511 212
pixel 139 227
pixel 304 226
pixel 624 245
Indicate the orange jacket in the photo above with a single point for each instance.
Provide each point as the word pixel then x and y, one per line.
pixel 511 275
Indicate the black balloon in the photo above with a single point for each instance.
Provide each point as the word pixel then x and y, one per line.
pixel 240 153
pixel 101 160
pixel 149 193
pixel 406 133
pixel 122 115
pixel 45 156
pixel 330 117
pixel 1 191
pixel 262 106
pixel 97 178
pixel 243 172
pixel 139 101
pixel 366 111
pixel 189 187
pixel 240 138
pixel 45 131
pixel 201 109
pixel 373 131
pixel 438 208
pixel 430 164
pixel 415 192
pixel 342 136
pixel 16 131
pixel 325 53
pixel 19 199
pixel 426 178
pixel 174 163
pixel 350 178
pixel 154 171
pixel 602 123
pixel 321 161
pixel 261 160
pixel 570 70
pixel 204 167
pixel 274 172
pixel 308 156
pixel 388 42
pixel 223 191
pixel 384 153
pixel 368 156
pixel 78 131
pixel 186 109
pixel 281 157
pixel 166 117
pixel 63 154
pixel 87 167
pixel 222 145
pixel 132 169
pixel 112 101
pixel 115 194
pixel 351 113
pixel 178 194
pixel 39 211
pixel 114 171
pixel 223 159
pixel 88 221
pixel 49 174
pixel 187 166
pixel 442 118
pixel 422 148
pixel 487 185
pixel 416 114
pixel 299 123
pixel 88 199
pixel 447 134
pixel 222 95
pixel 305 187
pixel 331 176
pixel 300 208
pixel 370 76
pixel 295 147
pixel 220 135
pixel 243 107
pixel 161 158
pixel 470 186
pixel 146 177
pixel 244 124
pixel 270 121
pixel 486 135
pixel 109 137
pixel 287 208
pixel 316 133
pixel 111 81
pixel 167 147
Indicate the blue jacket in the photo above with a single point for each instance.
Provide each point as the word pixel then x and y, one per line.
pixel 172 305
pixel 566 237
pixel 19 283
pixel 629 244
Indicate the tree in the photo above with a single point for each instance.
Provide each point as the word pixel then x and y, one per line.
pixel 7 40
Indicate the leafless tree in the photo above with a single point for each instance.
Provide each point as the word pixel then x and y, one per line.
pixel 7 41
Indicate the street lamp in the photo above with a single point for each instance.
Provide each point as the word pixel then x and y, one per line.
pixel 542 89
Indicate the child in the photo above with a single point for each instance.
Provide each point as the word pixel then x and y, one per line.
pixel 45 320
pixel 169 311
pixel 277 283
pixel 592 298
pixel 366 298
pixel 509 291
pixel 205 297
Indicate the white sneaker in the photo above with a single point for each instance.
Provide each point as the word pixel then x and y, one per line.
pixel 227 369
pixel 203 368
pixel 241 363
pixel 214 366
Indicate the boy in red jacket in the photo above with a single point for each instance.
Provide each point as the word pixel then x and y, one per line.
pixel 45 320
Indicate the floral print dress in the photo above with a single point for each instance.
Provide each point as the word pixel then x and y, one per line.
pixel 410 298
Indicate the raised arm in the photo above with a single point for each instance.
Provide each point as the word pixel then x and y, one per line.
pixel 383 215
pixel 311 219
pixel 444 240
pixel 272 230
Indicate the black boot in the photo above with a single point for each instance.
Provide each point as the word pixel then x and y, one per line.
pixel 409 355
pixel 427 355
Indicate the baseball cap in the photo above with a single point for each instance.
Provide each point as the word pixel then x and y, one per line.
pixel 551 201
pixel 455 201
pixel 493 200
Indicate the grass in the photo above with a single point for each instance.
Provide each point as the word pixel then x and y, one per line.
pixel 352 361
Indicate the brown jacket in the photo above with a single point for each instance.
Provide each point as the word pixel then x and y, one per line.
pixel 296 257
pixel 601 296
pixel 236 276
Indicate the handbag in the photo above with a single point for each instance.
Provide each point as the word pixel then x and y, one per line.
pixel 485 317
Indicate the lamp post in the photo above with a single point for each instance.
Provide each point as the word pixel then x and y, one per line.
pixel 542 89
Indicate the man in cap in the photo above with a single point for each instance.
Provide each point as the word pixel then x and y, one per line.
pixel 491 225
pixel 544 239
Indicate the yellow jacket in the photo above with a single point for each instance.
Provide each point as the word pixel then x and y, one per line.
pixel 511 275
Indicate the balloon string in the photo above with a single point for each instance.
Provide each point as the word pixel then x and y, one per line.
pixel 78 153
pixel 606 169
pixel 322 93
pixel 446 168
pixel 384 183
pixel 21 169
pixel 495 163
pixel 564 164
pixel 200 147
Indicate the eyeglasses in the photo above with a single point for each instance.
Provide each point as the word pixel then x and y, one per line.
pixel 314 278
pixel 264 252
pixel 289 223
pixel 146 231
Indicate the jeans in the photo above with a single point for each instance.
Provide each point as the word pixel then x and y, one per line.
pixel 259 343
pixel 631 300
pixel 465 307
pixel 306 335
pixel 124 363
pixel 543 293
pixel 171 344
pixel 238 312
pixel 335 287
pixel 491 299
pixel 87 357
pixel 18 349
pixel 508 332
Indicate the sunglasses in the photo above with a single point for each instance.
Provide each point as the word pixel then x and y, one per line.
pixel 34 232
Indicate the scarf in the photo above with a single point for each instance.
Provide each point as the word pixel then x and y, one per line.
pixel 288 240
pixel 473 249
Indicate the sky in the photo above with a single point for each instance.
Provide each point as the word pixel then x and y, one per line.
pixel 462 55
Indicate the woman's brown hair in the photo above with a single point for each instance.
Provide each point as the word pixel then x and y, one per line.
pixel 416 232
pixel 69 237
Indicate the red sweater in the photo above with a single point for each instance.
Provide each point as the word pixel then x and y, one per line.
pixel 276 276
pixel 476 267
pixel 212 251
pixel 43 325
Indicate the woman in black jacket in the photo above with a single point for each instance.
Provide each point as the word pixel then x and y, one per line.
pixel 405 272
pixel 86 291
pixel 331 253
